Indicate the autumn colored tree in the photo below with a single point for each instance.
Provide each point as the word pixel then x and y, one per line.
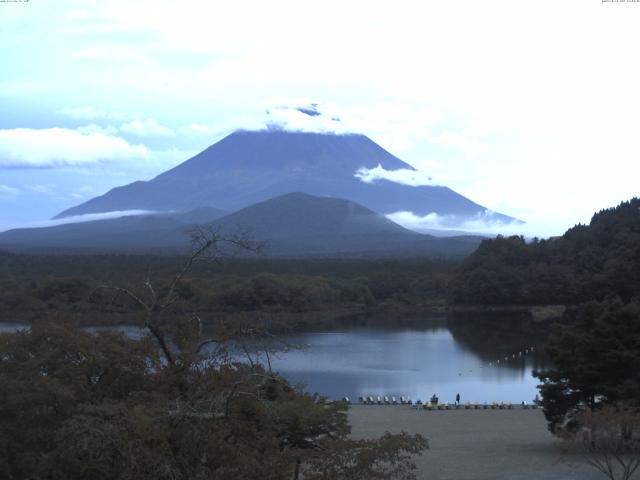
pixel 76 405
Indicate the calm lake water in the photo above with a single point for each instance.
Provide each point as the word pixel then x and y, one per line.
pixel 412 362
pixel 416 363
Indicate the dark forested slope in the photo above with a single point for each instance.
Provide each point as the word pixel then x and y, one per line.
pixel 588 262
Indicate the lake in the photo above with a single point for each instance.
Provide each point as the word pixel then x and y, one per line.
pixel 412 362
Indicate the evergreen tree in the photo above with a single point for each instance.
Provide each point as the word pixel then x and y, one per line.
pixel 596 358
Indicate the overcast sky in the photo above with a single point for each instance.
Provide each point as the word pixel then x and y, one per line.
pixel 530 108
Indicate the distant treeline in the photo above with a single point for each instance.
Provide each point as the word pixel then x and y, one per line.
pixel 589 262
pixel 32 285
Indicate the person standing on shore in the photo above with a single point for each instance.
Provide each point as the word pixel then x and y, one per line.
pixel 457 399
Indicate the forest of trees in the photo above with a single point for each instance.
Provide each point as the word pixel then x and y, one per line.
pixel 595 354
pixel 76 405
pixel 86 403
pixel 34 286
pixel 595 271
pixel 589 262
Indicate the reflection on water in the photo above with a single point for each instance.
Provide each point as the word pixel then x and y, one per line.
pixel 12 327
pixel 417 363
pixel 130 331
pixel 135 333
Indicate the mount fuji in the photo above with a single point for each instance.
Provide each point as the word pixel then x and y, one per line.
pixel 248 167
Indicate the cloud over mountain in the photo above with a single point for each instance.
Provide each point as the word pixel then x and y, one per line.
pixel 146 128
pixel 53 147
pixel 403 176
pixel 483 222
pixel 7 190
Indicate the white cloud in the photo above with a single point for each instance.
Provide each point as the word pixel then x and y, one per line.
pixel 89 217
pixel 84 113
pixel 249 122
pixel 567 144
pixel 22 87
pixel 82 192
pixel 92 128
pixel 92 113
pixel 44 189
pixel 80 15
pixel 6 189
pixel 52 147
pixel 395 126
pixel 468 144
pixel 404 176
pixel 146 128
pixel 483 223
pixel 195 129
pixel 109 52
pixel 304 117
pixel 164 159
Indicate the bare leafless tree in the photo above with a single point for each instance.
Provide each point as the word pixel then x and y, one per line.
pixel 208 244
pixel 609 440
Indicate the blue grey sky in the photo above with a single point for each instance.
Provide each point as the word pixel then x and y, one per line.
pixel 528 108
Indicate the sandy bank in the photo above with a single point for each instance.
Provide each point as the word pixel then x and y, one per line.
pixel 476 444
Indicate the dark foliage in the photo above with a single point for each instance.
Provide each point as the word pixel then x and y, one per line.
pixel 595 270
pixel 76 406
pixel 587 263
pixel 33 286
pixel 596 358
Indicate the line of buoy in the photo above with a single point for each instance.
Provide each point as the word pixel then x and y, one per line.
pixel 513 356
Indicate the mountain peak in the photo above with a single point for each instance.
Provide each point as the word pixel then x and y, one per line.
pixel 248 167
pixel 285 152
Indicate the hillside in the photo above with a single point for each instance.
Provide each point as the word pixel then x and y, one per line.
pixel 135 233
pixel 292 225
pixel 300 215
pixel 589 262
